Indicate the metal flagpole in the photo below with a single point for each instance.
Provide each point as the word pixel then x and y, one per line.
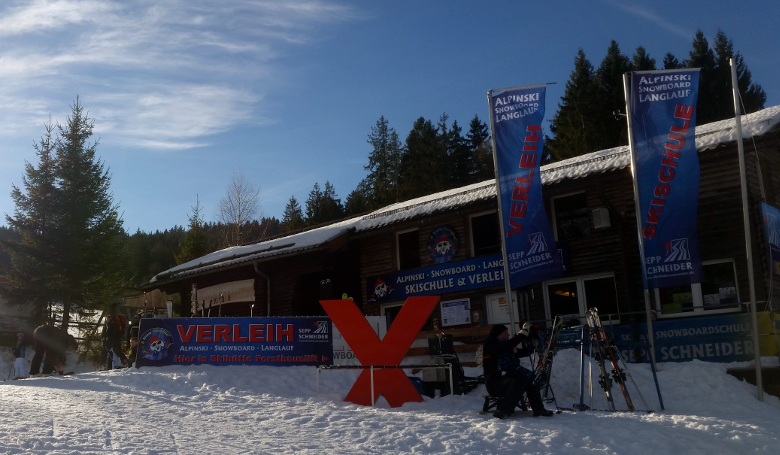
pixel 746 223
pixel 507 284
pixel 648 310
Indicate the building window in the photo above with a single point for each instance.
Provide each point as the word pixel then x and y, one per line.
pixel 485 234
pixel 572 297
pixel 717 294
pixel 571 217
pixel 408 250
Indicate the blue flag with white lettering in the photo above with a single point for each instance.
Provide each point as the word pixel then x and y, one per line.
pixel 663 120
pixel 771 217
pixel 516 116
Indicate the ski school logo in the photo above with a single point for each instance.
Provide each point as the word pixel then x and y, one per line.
pixel 538 244
pixel 322 327
pixel 154 344
pixel 442 244
pixel 677 250
pixel 381 289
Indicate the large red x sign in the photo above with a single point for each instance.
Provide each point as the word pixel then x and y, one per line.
pixel 370 350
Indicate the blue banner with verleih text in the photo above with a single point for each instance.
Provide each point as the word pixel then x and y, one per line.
pixel 663 119
pixel 276 341
pixel 516 116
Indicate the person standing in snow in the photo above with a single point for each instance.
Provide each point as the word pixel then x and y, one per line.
pixel 115 329
pixel 133 352
pixel 50 346
pixel 20 372
pixel 503 378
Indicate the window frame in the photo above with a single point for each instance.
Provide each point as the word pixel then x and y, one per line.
pixel 698 297
pixel 555 215
pixel 471 231
pixel 581 295
pixel 398 247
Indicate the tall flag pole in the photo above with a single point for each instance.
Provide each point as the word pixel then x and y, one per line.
pixel 661 108
pixel 529 251
pixel 746 223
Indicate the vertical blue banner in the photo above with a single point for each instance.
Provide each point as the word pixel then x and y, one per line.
pixel 516 116
pixel 771 217
pixel 663 119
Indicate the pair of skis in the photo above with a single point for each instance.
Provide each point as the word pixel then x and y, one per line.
pixel 544 362
pixel 607 356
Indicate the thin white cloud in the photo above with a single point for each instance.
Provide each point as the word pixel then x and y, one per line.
pixel 645 13
pixel 157 75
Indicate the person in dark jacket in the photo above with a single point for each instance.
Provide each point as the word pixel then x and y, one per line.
pixel 20 372
pixel 504 380
pixel 50 346
pixel 115 330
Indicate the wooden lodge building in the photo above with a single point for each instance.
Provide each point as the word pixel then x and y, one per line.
pixel 381 257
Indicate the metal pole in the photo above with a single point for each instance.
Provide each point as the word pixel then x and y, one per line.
pixel 452 390
pixel 746 223
pixel 507 284
pixel 318 381
pixel 372 385
pixel 648 310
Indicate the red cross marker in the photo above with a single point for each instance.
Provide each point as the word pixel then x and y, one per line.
pixel 370 350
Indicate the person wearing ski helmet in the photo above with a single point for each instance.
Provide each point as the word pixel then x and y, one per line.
pixel 501 379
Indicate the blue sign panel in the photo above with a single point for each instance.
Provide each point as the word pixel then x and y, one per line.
pixel 439 279
pixel 771 217
pixel 282 341
pixel 722 338
pixel 663 119
pixel 516 116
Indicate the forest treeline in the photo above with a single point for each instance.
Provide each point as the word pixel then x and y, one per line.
pixel 440 155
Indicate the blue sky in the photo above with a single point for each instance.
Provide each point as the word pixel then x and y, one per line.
pixel 185 93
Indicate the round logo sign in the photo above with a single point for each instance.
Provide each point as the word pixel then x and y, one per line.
pixel 154 343
pixel 442 244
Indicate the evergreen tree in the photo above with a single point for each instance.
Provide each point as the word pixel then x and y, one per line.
pixel 383 164
pixel 33 253
pixel 424 165
pixel 753 96
pixel 72 237
pixel 611 100
pixel 642 61
pixel 671 62
pixel 463 161
pixel 323 206
pixel 572 124
pixel 702 57
pixel 358 201
pixel 193 245
pixel 292 219
pixel 481 150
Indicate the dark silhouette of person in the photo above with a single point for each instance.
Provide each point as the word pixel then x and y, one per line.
pixel 51 343
pixel 505 382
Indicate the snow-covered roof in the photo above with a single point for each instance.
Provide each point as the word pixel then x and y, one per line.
pixel 708 136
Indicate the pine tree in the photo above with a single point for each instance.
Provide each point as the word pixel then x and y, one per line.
pixel 753 96
pixel 611 100
pixel 572 124
pixel 481 150
pixel 424 165
pixel 323 206
pixel 671 62
pixel 702 57
pixel 72 237
pixel 193 245
pixel 383 164
pixel 642 61
pixel 34 254
pixel 358 200
pixel 292 219
pixel 463 162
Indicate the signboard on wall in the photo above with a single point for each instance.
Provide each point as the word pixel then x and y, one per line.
pixel 281 341
pixel 440 279
pixel 455 312
pixel 771 217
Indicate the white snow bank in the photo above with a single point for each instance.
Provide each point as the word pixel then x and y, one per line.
pixel 263 409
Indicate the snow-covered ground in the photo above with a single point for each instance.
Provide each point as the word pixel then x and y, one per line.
pixel 263 409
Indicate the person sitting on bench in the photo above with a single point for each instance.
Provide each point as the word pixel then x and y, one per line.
pixel 503 377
